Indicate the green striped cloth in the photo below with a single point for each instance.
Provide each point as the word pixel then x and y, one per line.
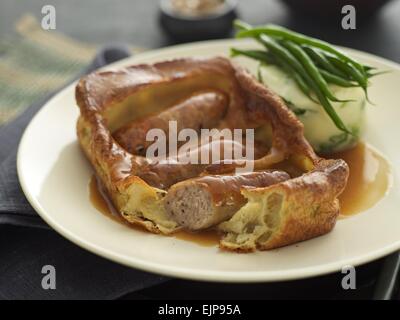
pixel 34 62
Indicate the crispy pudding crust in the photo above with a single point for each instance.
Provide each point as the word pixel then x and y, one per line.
pixel 293 210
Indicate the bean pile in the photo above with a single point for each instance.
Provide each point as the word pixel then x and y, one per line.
pixel 311 62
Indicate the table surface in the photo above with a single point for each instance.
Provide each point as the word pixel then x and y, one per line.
pixel 135 22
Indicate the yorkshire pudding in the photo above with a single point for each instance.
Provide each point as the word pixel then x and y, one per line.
pixel 293 208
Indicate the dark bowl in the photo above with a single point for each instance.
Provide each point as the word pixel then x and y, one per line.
pixel 189 28
pixel 332 8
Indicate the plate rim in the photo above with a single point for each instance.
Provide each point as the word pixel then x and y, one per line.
pixel 176 271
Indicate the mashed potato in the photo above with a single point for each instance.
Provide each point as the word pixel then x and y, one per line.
pixel 319 129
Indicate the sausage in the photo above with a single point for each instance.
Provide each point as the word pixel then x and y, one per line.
pixel 203 202
pixel 202 110
pixel 172 170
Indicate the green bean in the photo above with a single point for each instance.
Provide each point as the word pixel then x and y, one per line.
pixel 329 77
pixel 291 71
pixel 312 63
pixel 241 25
pixel 259 74
pixel 283 33
pixel 300 81
pixel 332 78
pixel 277 50
pixel 331 112
pixel 373 74
pixel 297 78
pixel 311 69
pixel 265 57
pixel 285 58
pixel 297 111
pixel 368 68
pixel 349 69
pixel 320 60
pixel 304 88
pixel 255 54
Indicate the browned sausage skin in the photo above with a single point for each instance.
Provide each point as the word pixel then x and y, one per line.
pixel 201 110
pixel 173 169
pixel 164 174
pixel 203 202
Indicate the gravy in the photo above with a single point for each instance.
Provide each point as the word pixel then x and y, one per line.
pixel 206 238
pixel 369 179
pixel 100 201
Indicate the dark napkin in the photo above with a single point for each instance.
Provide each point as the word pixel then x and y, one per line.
pixel 27 243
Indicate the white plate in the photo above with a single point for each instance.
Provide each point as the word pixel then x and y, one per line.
pixel 54 176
